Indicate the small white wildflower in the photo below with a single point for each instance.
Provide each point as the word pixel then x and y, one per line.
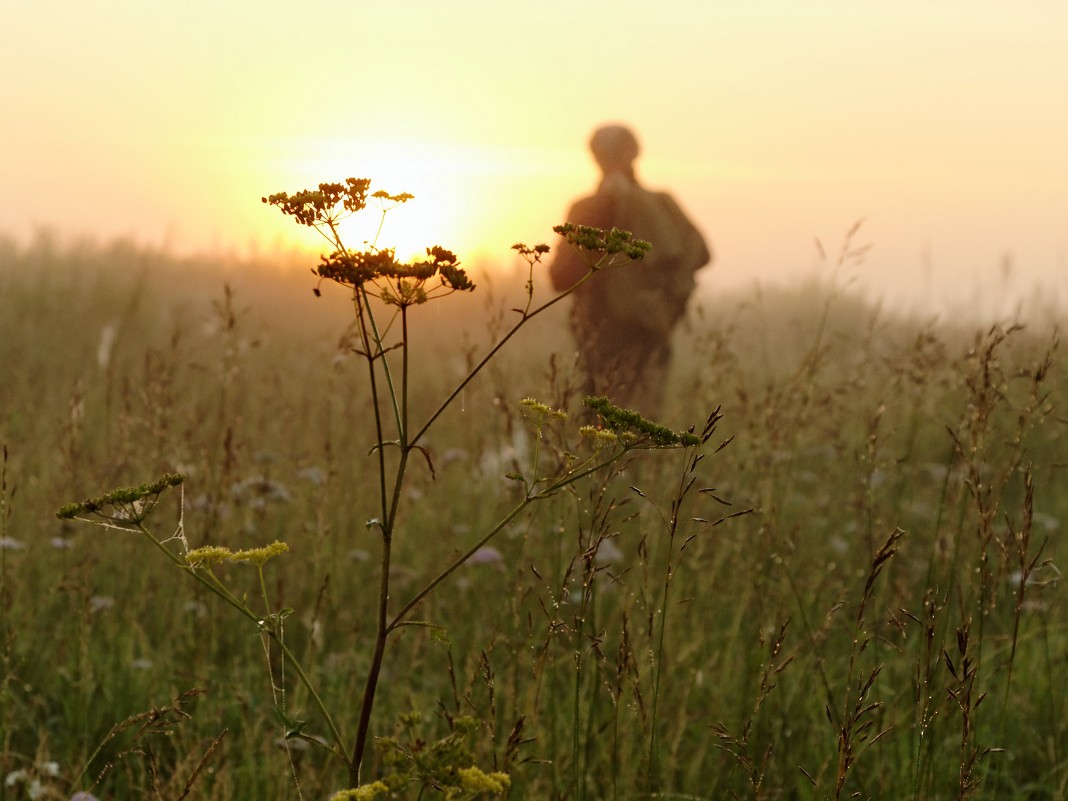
pixel 607 553
pixel 107 343
pixel 202 503
pixel 257 491
pixel 936 471
pixel 141 664
pixel 313 475
pixel 922 510
pixel 487 555
pixel 475 780
pixel 291 744
pixel 1046 522
pixel 61 543
pixel 495 461
pixel 11 544
pixel 100 602
pixel 877 479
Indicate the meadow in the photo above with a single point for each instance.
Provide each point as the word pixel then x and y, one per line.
pixel 862 602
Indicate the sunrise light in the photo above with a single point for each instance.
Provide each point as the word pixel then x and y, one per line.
pixel 774 124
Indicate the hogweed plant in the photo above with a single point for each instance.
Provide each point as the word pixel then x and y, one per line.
pixel 385 291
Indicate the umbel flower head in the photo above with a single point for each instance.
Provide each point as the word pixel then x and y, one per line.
pixel 631 427
pixel 328 203
pixel 214 554
pixel 475 781
pixel 364 792
pixel 396 282
pixel 531 254
pixel 598 240
pixel 540 412
pixel 125 504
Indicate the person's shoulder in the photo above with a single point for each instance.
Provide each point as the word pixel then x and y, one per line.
pixel 590 210
pixel 663 196
pixel 588 202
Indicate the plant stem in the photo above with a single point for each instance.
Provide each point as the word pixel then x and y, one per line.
pixel 371 686
pixel 528 499
pixel 217 588
pixel 388 527
pixel 526 316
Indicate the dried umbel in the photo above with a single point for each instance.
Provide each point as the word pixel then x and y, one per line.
pixel 395 282
pixel 125 504
pixel 374 271
pixel 331 202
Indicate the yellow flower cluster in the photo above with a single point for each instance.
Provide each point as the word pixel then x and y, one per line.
pixel 209 554
pixel 600 436
pixel 363 793
pixel 627 421
pixel 474 780
pixel 540 412
pixel 215 554
pixel 130 504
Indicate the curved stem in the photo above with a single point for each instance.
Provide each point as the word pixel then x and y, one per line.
pixel 528 499
pixel 653 778
pixel 371 685
pixel 524 318
pixel 218 589
pixel 290 657
pixel 360 299
pixel 380 354
pixel 388 526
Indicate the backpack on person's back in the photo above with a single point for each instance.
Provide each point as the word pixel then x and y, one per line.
pixel 650 294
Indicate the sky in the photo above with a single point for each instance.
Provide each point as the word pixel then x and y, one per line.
pixel 776 125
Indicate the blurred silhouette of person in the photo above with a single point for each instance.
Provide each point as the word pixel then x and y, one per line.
pixel 623 317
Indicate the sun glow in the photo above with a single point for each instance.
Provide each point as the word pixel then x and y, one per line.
pixel 463 196
pixel 443 181
pixel 932 121
pixel 408 227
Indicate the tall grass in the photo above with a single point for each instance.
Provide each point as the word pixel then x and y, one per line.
pixel 885 624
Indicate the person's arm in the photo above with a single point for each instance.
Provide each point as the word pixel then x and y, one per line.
pixel 693 254
pixel 697 251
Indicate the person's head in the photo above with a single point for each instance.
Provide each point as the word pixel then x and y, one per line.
pixel 614 147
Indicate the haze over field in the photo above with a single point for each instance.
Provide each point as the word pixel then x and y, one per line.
pixel 774 123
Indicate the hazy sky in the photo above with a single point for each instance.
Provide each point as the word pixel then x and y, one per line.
pixel 774 123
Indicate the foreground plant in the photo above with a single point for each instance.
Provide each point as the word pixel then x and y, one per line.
pixel 384 291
